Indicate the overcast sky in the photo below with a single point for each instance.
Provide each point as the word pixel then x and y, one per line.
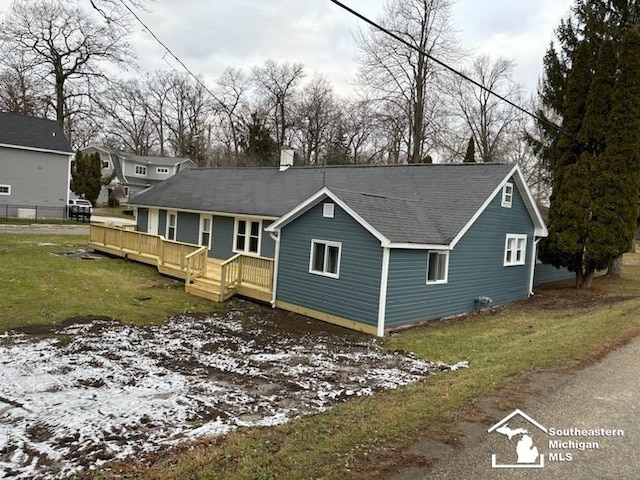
pixel 209 35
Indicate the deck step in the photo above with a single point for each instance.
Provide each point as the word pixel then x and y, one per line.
pixel 198 290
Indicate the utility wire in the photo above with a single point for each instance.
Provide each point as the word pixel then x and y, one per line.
pixel 453 70
pixel 198 81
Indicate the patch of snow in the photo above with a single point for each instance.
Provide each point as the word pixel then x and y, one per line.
pixel 102 391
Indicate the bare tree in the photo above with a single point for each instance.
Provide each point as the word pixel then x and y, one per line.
pixel 316 115
pixel 130 126
pixel 492 123
pixel 19 88
pixel 404 78
pixel 276 83
pixel 233 87
pixel 64 45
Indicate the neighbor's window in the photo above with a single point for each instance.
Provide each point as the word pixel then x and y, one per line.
pixel 126 191
pixel 172 225
pixel 437 266
pixel 248 236
pixel 325 258
pixel 141 170
pixel 106 164
pixel 5 189
pixel 162 170
pixel 507 195
pixel 515 250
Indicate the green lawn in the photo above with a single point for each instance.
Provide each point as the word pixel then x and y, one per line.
pixel 40 287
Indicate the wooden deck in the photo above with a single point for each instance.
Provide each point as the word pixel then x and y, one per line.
pixel 205 277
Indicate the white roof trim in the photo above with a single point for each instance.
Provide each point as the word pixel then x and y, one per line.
pixel 34 149
pixel 206 212
pixel 312 200
pixel 534 212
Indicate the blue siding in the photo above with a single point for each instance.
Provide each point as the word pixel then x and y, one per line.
pixel 188 228
pixel 355 294
pixel 222 243
pixel 268 247
pixel 142 220
pixel 546 273
pixel 475 269
pixel 162 222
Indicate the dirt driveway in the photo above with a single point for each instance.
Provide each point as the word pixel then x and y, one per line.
pixel 77 396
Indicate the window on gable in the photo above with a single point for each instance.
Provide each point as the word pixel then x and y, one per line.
pixel 162 170
pixel 141 170
pixel 507 195
pixel 437 267
pixel 248 234
pixel 106 164
pixel 515 250
pixel 325 258
pixel 5 189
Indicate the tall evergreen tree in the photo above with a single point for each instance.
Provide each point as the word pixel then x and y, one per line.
pixel 470 156
pixel 593 180
pixel 87 176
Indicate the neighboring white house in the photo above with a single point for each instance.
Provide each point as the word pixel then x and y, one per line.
pixel 35 171
pixel 134 173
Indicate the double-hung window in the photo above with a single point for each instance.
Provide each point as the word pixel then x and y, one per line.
pixel 515 250
pixel 325 258
pixel 205 231
pixel 172 225
pixel 507 195
pixel 248 234
pixel 141 170
pixel 437 267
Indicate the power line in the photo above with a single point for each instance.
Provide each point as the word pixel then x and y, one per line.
pixel 168 50
pixel 453 70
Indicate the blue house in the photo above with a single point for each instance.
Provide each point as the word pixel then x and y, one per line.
pixel 373 248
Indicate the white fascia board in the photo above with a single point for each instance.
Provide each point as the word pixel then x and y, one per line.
pixel 540 229
pixel 33 149
pixel 314 199
pixel 207 212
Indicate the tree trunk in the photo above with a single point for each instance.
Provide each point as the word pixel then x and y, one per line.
pixel 615 269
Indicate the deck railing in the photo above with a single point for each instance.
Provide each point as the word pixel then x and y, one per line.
pixel 165 252
pixel 197 264
pixel 245 270
pixel 185 260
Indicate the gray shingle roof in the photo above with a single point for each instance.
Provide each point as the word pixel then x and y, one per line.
pixel 427 204
pixel 32 132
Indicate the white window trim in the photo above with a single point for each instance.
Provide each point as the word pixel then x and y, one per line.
pixel 523 257
pixel 135 170
pixel 8 192
pixel 106 165
pixel 446 268
pixel 246 243
pixel 162 170
pixel 507 198
pixel 202 219
pixel 327 243
pixel 175 234
pixel 328 210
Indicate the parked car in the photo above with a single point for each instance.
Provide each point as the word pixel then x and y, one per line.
pixel 79 208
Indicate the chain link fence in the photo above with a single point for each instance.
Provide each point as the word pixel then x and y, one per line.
pixel 38 213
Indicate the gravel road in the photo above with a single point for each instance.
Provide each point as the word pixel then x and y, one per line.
pixel 602 397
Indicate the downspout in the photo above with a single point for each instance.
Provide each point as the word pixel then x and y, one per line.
pixel 276 238
pixel 384 281
pixel 534 256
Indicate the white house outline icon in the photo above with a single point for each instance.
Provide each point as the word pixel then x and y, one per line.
pixel 494 463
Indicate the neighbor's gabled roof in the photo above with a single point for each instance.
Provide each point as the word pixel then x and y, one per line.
pixel 32 133
pixel 402 204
